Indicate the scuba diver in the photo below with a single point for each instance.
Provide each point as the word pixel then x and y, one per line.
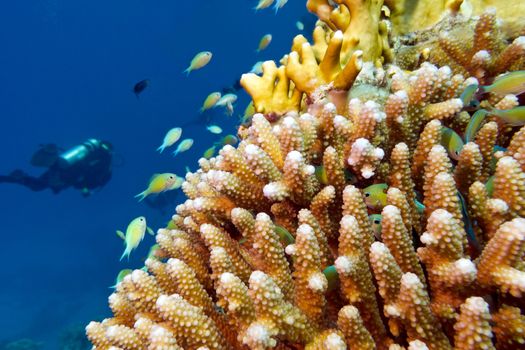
pixel 85 167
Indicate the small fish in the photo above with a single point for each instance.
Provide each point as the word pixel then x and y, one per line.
pixel 514 116
pixel 257 67
pixel 171 225
pixel 134 234
pixel 140 86
pixel 209 152
pixel 320 174
pixel 123 273
pixel 249 111
pixel 214 129
pixel 474 124
pixel 333 278
pixel 183 146
pixel 420 207
pixel 158 183
pixel 263 4
pixel 226 99
pixel 494 160
pixel 210 101
pixel 177 184
pixel 172 136
pixel 299 25
pixel 279 4
pixel 155 252
pixel 284 236
pixel 468 96
pixel 468 223
pixel 200 60
pixel 510 83
pixel 452 142
pixel 375 196
pixel 489 186
pixel 264 42
pixel 229 140
pixel 375 221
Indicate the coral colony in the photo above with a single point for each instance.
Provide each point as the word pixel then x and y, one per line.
pixel 274 247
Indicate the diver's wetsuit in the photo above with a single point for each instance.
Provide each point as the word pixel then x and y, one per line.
pixel 90 171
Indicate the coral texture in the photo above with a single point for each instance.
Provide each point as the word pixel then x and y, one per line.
pixel 274 247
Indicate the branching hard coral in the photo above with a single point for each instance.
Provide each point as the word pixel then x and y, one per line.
pixel 274 247
pixel 361 23
pixel 272 92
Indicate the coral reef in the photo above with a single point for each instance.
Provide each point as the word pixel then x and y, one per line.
pixel 274 247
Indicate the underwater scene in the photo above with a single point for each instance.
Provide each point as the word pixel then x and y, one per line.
pixel 262 174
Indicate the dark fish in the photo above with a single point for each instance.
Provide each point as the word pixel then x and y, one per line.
pixel 236 86
pixel 140 86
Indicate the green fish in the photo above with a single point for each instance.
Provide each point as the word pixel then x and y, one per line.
pixel 510 83
pixel 284 236
pixel 452 142
pixel 154 252
pixel 474 124
pixel 514 116
pixel 375 196
pixel 468 223
pixel 333 278
pixel 120 276
pixel 468 96
pixel 489 186
pixel 227 140
pixel 494 160
pixel 420 207
pixel 320 174
pixel 375 221
pixel 209 152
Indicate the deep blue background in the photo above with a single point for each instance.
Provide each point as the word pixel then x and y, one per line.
pixel 66 73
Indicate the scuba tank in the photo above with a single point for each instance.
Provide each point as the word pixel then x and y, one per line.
pixel 78 153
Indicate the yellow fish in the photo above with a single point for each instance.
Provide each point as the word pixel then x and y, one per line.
pixel 170 138
pixel 510 83
pixel 158 183
pixel 134 234
pixel 209 152
pixel 123 273
pixel 183 146
pixel 375 196
pixel 375 222
pixel 452 142
pixel 264 42
pixel 263 4
pixel 513 117
pixel 200 60
pixel 210 101
pixel 249 111
pixel 177 184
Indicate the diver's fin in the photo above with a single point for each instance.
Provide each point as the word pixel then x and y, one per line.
pixel 45 156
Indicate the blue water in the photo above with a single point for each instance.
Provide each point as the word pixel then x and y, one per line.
pixel 67 69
